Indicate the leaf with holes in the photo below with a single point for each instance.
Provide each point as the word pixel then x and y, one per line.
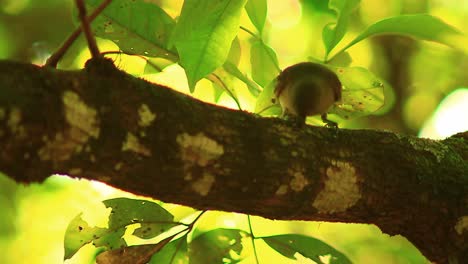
pixel 131 254
pixel 153 219
pixel 174 252
pixel 136 26
pixel 363 92
pixel 79 233
pixel 290 245
pixel 218 246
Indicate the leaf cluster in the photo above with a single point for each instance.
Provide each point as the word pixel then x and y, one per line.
pixel 203 40
pixel 176 241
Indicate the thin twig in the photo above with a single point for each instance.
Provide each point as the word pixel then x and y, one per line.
pixel 227 90
pixel 189 228
pixel 179 244
pixel 250 32
pixel 57 56
pixel 92 45
pixel 252 237
pixel 191 225
pixel 139 56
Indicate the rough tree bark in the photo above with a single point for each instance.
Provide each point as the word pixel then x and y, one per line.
pixel 105 125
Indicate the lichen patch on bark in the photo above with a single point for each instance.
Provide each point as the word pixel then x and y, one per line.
pixel 298 181
pixel 462 225
pixel 203 185
pixel 60 147
pixel 199 149
pixel 80 115
pixel 83 124
pixel 146 116
pixel 14 123
pixel 341 189
pixel 75 171
pixel 282 189
pixel 133 144
pixel 118 166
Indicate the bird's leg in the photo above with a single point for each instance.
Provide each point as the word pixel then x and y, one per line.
pixel 296 120
pixel 328 122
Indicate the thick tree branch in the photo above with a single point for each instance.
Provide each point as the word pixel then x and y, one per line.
pixel 105 125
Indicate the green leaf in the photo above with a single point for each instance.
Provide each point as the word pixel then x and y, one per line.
pixel 341 60
pixel 136 26
pixel 235 52
pixel 217 246
pixel 225 82
pixel 175 251
pixel 251 85
pixel 334 32
pixel 267 104
pixel 156 65
pixel 257 12
pixel 79 233
pixel 8 206
pixel 363 93
pixel 420 26
pixel 204 34
pixel 218 92
pixel 264 63
pixel 312 248
pixel 153 218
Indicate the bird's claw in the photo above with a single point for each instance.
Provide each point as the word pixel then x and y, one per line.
pixel 328 122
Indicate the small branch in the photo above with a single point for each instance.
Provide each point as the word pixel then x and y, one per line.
pixel 250 32
pixel 252 239
pixel 57 56
pixel 118 52
pixel 85 26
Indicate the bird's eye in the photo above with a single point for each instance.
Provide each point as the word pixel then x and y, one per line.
pixel 273 100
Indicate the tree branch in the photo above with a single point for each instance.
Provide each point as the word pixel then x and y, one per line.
pixel 103 124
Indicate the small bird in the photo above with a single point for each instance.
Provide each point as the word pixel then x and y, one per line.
pixel 307 89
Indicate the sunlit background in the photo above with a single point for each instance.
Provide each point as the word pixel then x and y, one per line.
pixel 426 95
